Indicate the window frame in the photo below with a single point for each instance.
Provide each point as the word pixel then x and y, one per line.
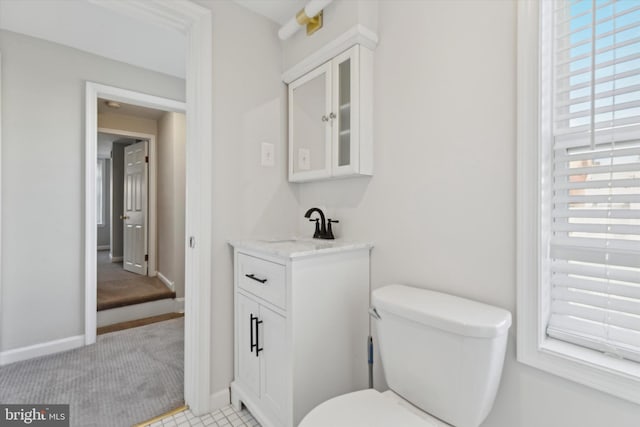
pixel 588 367
pixel 101 165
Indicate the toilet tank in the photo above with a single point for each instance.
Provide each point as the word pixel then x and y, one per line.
pixel 442 353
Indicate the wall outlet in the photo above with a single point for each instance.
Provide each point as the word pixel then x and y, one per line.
pixel 304 159
pixel 268 154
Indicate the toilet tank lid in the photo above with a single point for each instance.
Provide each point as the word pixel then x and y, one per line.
pixel 443 311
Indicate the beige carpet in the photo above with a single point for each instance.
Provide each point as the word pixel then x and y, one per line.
pixel 118 288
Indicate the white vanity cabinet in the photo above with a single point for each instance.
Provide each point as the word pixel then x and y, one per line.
pixel 301 326
pixel 330 118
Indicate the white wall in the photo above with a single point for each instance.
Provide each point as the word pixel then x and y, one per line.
pixel 127 123
pixel 249 101
pixel 171 198
pixel 440 208
pixel 43 181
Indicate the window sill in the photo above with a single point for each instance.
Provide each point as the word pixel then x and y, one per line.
pixel 608 374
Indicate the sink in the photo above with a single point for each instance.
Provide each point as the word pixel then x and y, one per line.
pixel 300 243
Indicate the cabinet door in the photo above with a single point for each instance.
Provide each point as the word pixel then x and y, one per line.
pixel 248 362
pixel 274 358
pixel 346 104
pixel 310 125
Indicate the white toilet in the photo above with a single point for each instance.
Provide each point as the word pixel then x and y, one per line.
pixel 442 357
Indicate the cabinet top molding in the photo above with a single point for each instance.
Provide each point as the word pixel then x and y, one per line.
pixel 358 34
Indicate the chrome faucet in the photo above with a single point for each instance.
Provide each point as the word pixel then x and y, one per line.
pixel 323 229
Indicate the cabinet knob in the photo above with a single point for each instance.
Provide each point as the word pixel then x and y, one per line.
pixel 332 116
pixel 325 118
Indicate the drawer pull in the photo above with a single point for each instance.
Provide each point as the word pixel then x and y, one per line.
pixel 253 277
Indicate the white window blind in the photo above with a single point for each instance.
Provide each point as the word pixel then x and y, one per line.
pixel 594 251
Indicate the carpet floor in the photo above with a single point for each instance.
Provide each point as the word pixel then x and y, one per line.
pixel 125 378
pixel 118 287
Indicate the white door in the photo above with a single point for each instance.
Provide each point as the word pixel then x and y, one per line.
pixel 135 207
pixel 272 339
pixel 246 345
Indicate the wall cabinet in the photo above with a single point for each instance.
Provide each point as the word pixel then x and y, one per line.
pixel 301 328
pixel 330 118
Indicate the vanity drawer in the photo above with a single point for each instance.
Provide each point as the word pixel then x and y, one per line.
pixel 262 278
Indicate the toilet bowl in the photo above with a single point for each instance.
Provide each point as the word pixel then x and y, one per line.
pixel 369 408
pixel 442 357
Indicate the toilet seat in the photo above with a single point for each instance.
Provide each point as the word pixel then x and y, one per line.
pixel 368 408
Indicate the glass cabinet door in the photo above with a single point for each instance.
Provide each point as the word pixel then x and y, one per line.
pixel 345 122
pixel 310 125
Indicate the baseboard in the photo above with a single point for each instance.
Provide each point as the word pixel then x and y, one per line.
pixel 42 349
pixel 114 258
pixel 220 399
pixel 171 285
pixel 103 247
pixel 139 311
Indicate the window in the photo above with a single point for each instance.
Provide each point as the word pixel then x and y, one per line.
pixel 100 193
pixel 579 203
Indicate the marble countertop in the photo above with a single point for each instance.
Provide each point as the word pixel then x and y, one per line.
pixel 298 247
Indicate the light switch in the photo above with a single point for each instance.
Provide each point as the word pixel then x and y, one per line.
pixel 268 154
pixel 304 159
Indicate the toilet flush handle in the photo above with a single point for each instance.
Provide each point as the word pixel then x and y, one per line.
pixel 374 313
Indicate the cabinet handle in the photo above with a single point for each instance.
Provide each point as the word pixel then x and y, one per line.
pixel 258 349
pixel 253 277
pixel 251 319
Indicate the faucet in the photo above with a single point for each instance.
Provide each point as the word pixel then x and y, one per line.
pixel 322 231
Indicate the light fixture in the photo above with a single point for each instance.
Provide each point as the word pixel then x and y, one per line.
pixel 311 16
pixel 112 104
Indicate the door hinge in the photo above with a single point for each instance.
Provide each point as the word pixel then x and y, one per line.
pixel 146 257
pixel 146 159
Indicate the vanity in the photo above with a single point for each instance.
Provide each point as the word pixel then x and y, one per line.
pixel 301 325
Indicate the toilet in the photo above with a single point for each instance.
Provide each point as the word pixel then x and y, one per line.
pixel 442 357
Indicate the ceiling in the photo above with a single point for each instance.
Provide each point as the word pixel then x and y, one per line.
pixel 279 11
pixel 130 110
pixel 106 141
pixel 92 28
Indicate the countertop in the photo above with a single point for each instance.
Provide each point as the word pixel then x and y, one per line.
pixel 298 247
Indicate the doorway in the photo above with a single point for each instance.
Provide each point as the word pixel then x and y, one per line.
pixel 141 277
pixel 194 21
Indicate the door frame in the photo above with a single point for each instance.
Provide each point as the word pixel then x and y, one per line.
pixel 195 21
pixel 152 227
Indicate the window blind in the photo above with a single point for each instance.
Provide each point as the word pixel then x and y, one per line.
pixel 594 251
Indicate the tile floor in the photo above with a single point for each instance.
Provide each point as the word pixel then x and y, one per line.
pixel 225 417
